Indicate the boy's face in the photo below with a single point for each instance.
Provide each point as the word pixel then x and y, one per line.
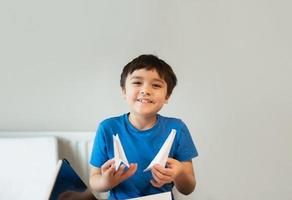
pixel 145 92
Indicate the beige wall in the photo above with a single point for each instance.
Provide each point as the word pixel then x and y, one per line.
pixel 61 60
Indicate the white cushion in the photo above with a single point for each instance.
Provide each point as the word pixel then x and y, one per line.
pixel 27 166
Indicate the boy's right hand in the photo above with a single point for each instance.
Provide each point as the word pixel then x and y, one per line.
pixel 112 177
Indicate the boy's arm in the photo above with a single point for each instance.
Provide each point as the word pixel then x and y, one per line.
pixel 105 178
pixel 181 173
pixel 185 182
pixel 96 181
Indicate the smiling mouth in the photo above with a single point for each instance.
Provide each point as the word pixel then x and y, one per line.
pixel 145 101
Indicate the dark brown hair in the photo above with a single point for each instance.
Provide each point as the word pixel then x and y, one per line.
pixel 150 62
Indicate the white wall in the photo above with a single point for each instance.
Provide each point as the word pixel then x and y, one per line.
pixel 61 60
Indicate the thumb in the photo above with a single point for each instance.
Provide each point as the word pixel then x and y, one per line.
pixel 170 162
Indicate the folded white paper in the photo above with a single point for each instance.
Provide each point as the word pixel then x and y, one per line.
pixel 162 155
pixel 119 154
pixel 160 196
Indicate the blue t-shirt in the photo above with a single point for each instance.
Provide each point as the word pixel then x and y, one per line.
pixel 140 147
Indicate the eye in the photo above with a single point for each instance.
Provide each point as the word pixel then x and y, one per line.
pixel 136 83
pixel 157 85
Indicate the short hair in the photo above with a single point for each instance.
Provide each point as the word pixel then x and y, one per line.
pixel 150 62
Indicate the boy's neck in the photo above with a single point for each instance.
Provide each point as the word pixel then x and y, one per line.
pixel 142 123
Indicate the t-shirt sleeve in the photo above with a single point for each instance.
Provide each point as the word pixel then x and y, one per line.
pixel 186 148
pixel 99 149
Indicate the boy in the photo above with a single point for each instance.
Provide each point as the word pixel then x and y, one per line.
pixel 147 83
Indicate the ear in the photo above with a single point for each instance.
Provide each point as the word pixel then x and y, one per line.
pixel 124 93
pixel 166 99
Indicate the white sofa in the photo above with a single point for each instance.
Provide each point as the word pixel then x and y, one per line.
pixel 27 166
pixel 28 160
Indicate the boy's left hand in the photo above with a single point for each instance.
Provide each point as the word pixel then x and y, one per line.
pixel 163 175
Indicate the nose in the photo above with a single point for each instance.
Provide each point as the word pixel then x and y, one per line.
pixel 145 91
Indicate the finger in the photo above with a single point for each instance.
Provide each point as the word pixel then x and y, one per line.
pixel 165 174
pixel 161 179
pixel 108 164
pixel 120 171
pixel 132 169
pixel 155 184
pixel 159 168
pixel 171 161
pixel 110 171
pixel 162 170
pixel 156 178
pixel 157 174
pixel 166 177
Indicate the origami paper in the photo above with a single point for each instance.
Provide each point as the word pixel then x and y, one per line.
pixel 159 196
pixel 162 156
pixel 119 154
